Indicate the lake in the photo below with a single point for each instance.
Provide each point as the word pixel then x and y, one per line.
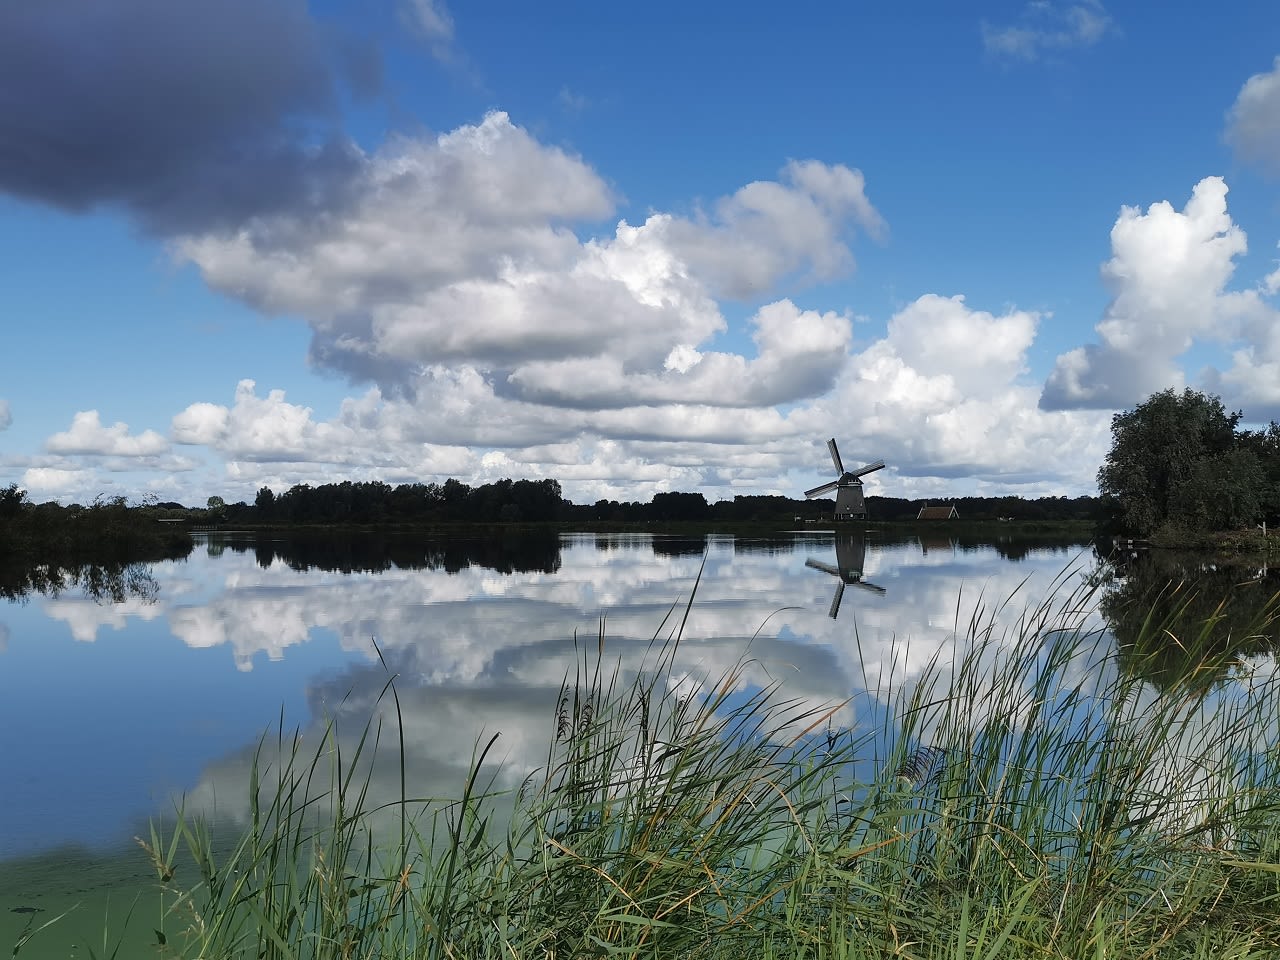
pixel 118 697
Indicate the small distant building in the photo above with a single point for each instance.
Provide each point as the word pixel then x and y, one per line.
pixel 945 512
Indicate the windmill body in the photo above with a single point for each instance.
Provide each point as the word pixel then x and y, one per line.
pixel 850 503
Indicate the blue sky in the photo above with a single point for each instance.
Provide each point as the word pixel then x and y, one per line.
pixel 266 242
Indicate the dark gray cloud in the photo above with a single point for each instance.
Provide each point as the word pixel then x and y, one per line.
pixel 189 115
pixel 1253 123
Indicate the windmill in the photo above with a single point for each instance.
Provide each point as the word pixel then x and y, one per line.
pixel 851 555
pixel 847 485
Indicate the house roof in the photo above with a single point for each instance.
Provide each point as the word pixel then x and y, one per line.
pixel 945 512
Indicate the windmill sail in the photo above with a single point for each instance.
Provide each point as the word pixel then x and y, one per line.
pixel 819 491
pixel 834 610
pixel 835 455
pixel 824 567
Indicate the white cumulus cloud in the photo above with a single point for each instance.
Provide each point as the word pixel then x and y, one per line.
pixel 88 435
pixel 271 429
pixel 944 394
pixel 49 482
pixel 509 330
pixel 1271 282
pixel 767 230
pixel 475 205
pixel 460 252
pixel 799 354
pixel 453 278
pixel 1168 276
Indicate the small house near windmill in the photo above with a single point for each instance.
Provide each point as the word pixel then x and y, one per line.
pixel 944 512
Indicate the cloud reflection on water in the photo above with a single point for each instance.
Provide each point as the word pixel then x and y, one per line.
pixel 480 653
pixel 479 649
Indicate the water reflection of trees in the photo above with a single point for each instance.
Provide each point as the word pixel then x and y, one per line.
pixel 111 582
pixel 500 551
pixel 694 545
pixel 100 556
pixel 1181 620
pixel 1019 546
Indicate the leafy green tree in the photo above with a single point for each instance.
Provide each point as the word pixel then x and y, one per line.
pixel 679 506
pixel 1171 456
pixel 12 498
pixel 1221 493
pixel 1265 445
pixel 264 504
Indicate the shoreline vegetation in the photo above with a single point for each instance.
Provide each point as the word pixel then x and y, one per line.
pixel 518 502
pixel 1035 798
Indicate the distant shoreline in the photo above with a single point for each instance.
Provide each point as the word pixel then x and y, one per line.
pixel 1080 528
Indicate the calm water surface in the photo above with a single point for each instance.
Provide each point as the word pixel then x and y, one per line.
pixel 120 696
pixel 110 709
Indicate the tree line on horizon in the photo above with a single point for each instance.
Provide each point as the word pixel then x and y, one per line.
pixel 535 501
pixel 511 501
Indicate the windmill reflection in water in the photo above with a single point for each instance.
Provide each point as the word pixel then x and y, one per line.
pixel 851 556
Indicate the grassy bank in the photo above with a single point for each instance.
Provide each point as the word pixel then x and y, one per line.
pixel 1028 799
pixel 1244 545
